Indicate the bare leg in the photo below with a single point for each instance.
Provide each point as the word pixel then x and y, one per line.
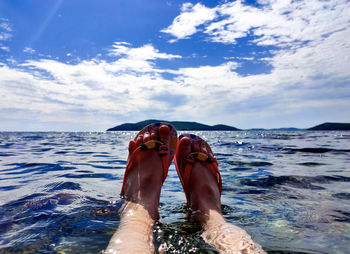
pixel 206 206
pixel 142 191
pixel 134 234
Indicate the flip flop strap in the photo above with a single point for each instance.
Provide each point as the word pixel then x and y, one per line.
pixel 190 160
pixel 152 144
pixel 162 152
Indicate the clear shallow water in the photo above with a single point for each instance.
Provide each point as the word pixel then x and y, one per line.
pixel 59 192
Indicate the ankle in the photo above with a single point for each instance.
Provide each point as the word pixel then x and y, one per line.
pixel 136 227
pixel 204 201
pixel 215 219
pixel 143 187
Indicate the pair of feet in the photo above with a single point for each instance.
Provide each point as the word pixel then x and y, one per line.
pixel 150 155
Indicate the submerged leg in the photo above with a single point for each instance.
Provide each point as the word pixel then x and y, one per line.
pixel 226 237
pixel 134 234
pixel 144 175
pixel 203 197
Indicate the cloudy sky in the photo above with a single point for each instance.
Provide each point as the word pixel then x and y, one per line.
pixel 90 64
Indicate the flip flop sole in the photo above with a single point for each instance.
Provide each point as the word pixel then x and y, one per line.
pixel 166 160
pixel 185 176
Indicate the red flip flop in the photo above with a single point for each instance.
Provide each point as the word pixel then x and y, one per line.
pixel 185 173
pixel 165 153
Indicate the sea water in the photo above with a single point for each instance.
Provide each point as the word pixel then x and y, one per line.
pixel 290 190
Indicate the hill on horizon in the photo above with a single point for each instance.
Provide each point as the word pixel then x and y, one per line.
pixel 194 126
pixel 331 127
pixel 179 125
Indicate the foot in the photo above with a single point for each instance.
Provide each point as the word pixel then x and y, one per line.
pixel 144 177
pixel 203 191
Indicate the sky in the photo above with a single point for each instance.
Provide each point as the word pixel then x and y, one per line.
pixel 88 65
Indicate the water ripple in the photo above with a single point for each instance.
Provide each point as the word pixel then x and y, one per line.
pixel 59 191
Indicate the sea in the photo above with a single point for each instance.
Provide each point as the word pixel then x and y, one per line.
pixel 290 190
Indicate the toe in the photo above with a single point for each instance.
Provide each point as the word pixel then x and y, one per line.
pixel 203 148
pixel 196 147
pixel 154 135
pixel 139 140
pixel 164 133
pixel 146 137
pixel 132 146
pixel 183 149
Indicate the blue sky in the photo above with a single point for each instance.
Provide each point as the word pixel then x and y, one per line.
pixel 88 65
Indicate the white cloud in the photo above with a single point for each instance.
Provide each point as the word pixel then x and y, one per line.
pixel 28 50
pixel 277 23
pixel 49 90
pixel 188 21
pixel 309 72
pixel 5 36
pixel 46 88
pixel 4 48
pixel 5 33
pixel 136 59
pixel 4 25
pixel 309 64
pixel 301 80
pixel 146 52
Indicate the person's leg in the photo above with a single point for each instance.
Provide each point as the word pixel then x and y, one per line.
pixel 134 234
pixel 141 188
pixel 204 201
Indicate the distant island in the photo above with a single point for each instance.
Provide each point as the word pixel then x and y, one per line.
pixel 194 126
pixel 331 127
pixel 277 129
pixel 179 125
